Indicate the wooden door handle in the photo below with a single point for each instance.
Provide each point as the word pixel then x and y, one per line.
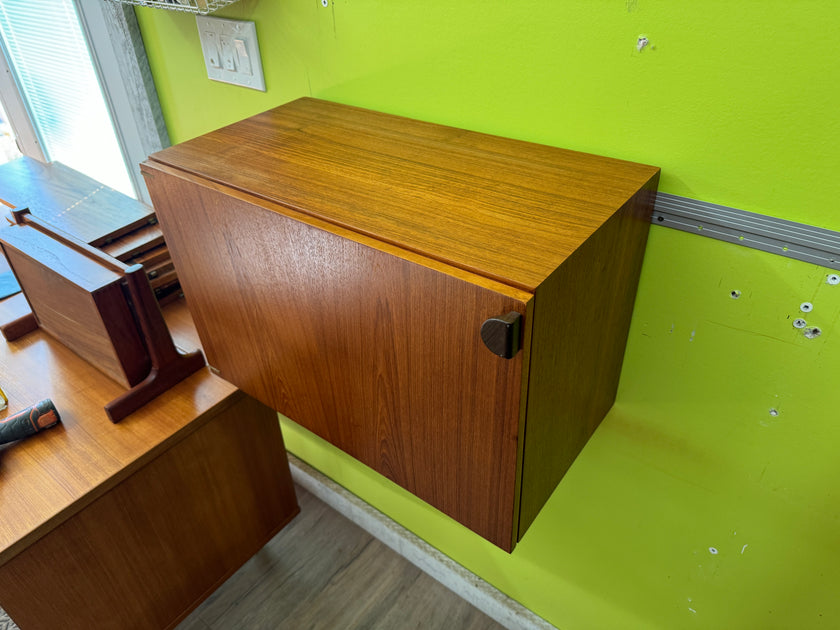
pixel 501 334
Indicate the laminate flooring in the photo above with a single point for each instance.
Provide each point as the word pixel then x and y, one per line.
pixel 323 572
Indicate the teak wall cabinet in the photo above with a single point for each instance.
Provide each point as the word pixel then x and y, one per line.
pixel 341 265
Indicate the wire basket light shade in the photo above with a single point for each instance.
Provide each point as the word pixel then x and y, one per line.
pixel 190 6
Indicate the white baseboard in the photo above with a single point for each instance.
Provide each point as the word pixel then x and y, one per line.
pixel 488 599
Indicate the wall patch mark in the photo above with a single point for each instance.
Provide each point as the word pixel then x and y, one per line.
pixel 813 332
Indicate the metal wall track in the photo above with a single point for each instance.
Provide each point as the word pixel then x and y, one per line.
pixel 777 236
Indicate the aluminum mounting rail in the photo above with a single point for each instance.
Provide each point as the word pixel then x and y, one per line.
pixel 777 236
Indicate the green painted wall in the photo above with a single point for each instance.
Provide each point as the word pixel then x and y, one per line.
pixel 690 461
pixel 736 102
pixel 731 99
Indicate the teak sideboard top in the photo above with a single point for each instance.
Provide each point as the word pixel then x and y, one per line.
pixel 504 209
pixel 343 267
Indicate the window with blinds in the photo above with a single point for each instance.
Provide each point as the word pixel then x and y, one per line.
pixel 49 57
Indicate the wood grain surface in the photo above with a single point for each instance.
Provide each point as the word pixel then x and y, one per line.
pixel 155 256
pixel 130 525
pixel 70 201
pixel 342 271
pixel 323 572
pixel 49 478
pixel 580 331
pixel 134 243
pixel 379 355
pixel 78 301
pixel 143 555
pixel 83 208
pixel 508 210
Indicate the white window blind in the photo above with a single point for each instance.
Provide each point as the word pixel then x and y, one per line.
pixel 52 66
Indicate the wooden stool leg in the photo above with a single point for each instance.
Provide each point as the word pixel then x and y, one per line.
pixel 19 327
pixel 169 366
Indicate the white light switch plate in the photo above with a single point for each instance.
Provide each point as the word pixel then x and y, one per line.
pixel 231 52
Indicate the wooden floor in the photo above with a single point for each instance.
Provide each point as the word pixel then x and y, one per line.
pixel 323 572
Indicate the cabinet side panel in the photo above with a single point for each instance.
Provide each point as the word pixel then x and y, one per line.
pixel 150 550
pixel 378 355
pixel 582 317
pixel 96 324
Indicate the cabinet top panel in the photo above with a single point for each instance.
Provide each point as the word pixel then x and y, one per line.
pixel 505 209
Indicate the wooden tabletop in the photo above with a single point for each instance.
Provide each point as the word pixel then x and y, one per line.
pixel 504 209
pixel 70 201
pixel 50 476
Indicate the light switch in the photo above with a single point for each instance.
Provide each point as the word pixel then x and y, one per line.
pixel 211 50
pixel 242 56
pixel 231 51
pixel 228 54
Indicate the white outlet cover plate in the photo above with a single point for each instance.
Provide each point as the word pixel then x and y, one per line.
pixel 231 52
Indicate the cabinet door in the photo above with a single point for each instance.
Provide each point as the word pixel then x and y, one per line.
pixel 374 349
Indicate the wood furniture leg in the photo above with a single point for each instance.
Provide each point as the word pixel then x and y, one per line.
pixel 19 327
pixel 168 365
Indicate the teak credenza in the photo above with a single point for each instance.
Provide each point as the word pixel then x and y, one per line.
pixel 353 270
